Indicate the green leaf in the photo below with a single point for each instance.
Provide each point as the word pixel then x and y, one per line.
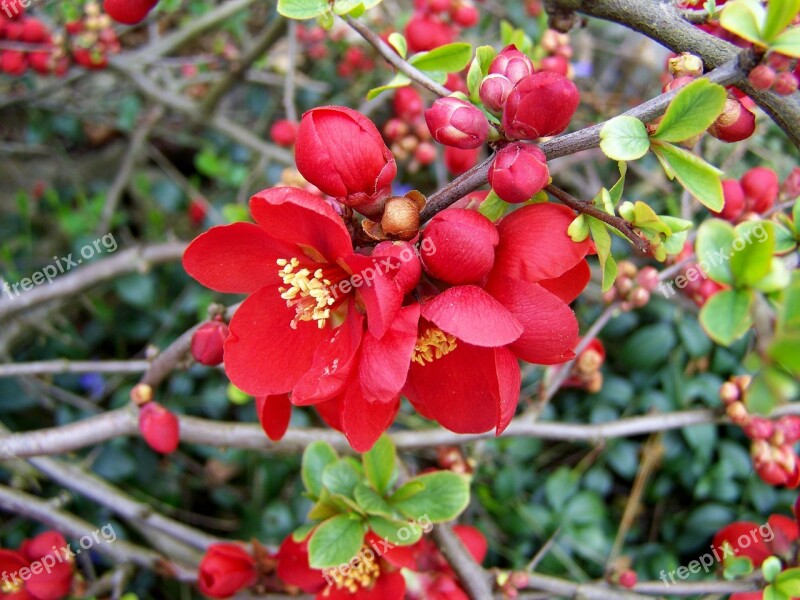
pixel 714 242
pixel 769 388
pixel 787 43
pixel 493 207
pixel 315 458
pixel 400 533
pixel 353 7
pixel 398 81
pixel 449 58
pixel 602 241
pixel 772 593
pixel 301 533
pixel 780 15
pixel 615 193
pixel 752 256
pixel 399 43
pixel 624 138
pixel 745 18
pixel 340 477
pixel 726 315
pixel 380 464
pixel 736 567
pixel 372 502
pixel 692 111
pixel 786 347
pixel 408 489
pixel 444 497
pixel 302 9
pixel 478 69
pixel 578 230
pixel 335 542
pixel 696 175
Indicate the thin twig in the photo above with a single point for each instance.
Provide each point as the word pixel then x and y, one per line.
pixel 291 72
pixel 63 365
pixel 474 580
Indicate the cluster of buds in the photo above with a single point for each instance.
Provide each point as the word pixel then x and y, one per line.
pixel 158 426
pixel 46 53
pixel 558 53
pixel 439 22
pixel 128 12
pixel 355 61
pixel 780 73
pixel 313 41
pixel 453 459
pixel 773 440
pixel 585 373
pixel 406 132
pixel 754 194
pixel 93 38
pixel 511 582
pixel 633 286
pixel 620 573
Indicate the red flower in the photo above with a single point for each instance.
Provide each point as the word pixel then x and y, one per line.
pixel 541 104
pixel 759 542
pixel 283 337
pixel 341 152
pixel 36 570
pixel 465 373
pixel 370 577
pixel 224 570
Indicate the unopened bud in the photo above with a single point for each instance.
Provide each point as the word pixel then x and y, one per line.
pixel 686 65
pixel 141 394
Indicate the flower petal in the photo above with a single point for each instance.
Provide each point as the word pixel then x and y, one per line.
pixel 376 288
pixel 534 244
pixel 757 551
pixel 384 363
pixel 293 566
pixel 263 354
pixel 508 382
pixel 235 259
pixel 388 586
pixel 473 540
pixel 274 413
pixel 333 363
pixel 472 315
pixel 550 327
pixel 569 285
pixel 299 217
pixel 363 422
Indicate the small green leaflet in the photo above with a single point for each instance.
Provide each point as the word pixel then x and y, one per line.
pixel 478 69
pixel 602 241
pixel 726 315
pixel 399 81
pixel 493 207
pixel 399 43
pixel 780 15
pixel 692 111
pixel 745 18
pixel 764 27
pixel 449 58
pixel 335 541
pixel 788 43
pixel 302 9
pixel 624 138
pixel 701 179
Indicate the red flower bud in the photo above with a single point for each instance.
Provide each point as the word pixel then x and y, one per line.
pixel 197 212
pixel 758 428
pixel 760 186
pixel 555 64
pixel 426 32
pixel 789 425
pixel 460 246
pixel 425 153
pixel 458 161
pixel 410 268
pixel 677 83
pixel 762 77
pixel 518 172
pixel 785 84
pixel 408 104
pixel 647 277
pixel 283 132
pixel 454 122
pixel 159 428
pixel 627 578
pixel 494 92
pixel 341 152
pixel 542 104
pixel 791 186
pixel 512 64
pixel 224 570
pixel 13 62
pixel 734 201
pixel 34 31
pixel 128 12
pixel 456 83
pixel 735 124
pixel 207 343
pixel 466 15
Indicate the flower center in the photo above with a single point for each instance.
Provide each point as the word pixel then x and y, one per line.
pixel 307 292
pixel 6 587
pixel 432 344
pixel 363 575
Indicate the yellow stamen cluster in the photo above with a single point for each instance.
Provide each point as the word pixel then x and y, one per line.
pixel 307 292
pixel 363 575
pixel 433 344
pixel 6 587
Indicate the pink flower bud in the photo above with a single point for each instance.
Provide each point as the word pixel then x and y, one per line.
pixel 159 428
pixel 785 84
pixel 734 201
pixel 677 83
pixel 555 64
pixel 466 15
pixel 627 578
pixel 760 186
pixel 459 246
pixel 791 186
pixel 128 12
pixel 494 92
pixel 341 152
pixel 458 161
pixel 425 153
pixel 647 277
pixel 207 343
pixel 410 269
pixel 762 77
pixel 426 32
pixel 408 104
pixel 512 64
pixel 542 104
pixel 789 425
pixel 758 428
pixel 454 122
pixel 283 132
pixel 518 172
pixel 735 124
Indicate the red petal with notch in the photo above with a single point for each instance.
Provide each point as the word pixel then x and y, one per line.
pixel 264 356
pixel 508 382
pixel 472 315
pixel 379 292
pixel 235 259
pixel 296 216
pixel 534 244
pixel 569 285
pixel 550 327
pixel 383 367
pixel 461 391
pixel 333 363
pixel 274 413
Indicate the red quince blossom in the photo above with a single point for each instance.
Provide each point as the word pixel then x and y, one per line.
pixel 225 569
pixel 375 576
pixel 540 105
pixel 464 372
pixel 342 153
pixel 51 579
pixel 759 542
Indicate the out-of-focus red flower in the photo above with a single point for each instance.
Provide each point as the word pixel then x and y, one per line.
pixel 50 574
pixel 518 172
pixel 225 570
pixel 541 104
pixel 758 542
pixel 734 201
pixel 128 12
pixel 426 32
pixel 408 104
pixel 283 132
pixel 341 152
pixel 458 161
pixel 760 186
pixel 159 428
